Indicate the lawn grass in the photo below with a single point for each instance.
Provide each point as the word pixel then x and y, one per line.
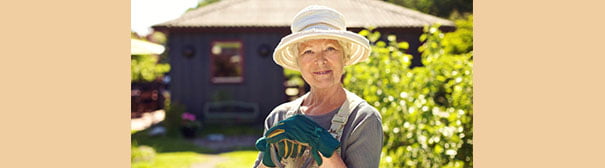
pixel 171 152
pixel 176 152
pixel 165 144
pixel 243 158
pixel 172 160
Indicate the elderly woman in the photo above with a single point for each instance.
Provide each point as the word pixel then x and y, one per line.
pixel 328 126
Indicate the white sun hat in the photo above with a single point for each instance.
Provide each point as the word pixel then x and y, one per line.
pixel 320 22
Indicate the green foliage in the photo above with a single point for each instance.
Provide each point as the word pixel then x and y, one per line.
pixel 173 121
pixel 460 41
pixel 294 77
pixel 202 4
pixel 157 37
pixel 141 153
pixel 426 111
pixel 441 8
pixel 134 35
pixel 145 68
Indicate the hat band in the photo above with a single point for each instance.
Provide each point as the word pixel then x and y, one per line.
pixel 321 25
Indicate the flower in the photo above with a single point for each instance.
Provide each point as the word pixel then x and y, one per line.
pixel 189 121
pixel 188 116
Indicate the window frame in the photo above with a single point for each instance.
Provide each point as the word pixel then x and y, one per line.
pixel 227 80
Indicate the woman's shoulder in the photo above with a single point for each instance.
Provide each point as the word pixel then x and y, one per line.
pixel 278 113
pixel 365 118
pixel 366 111
pixel 363 110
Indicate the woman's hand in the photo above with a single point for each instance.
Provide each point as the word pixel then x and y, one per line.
pixel 334 161
pixel 302 131
pixel 261 165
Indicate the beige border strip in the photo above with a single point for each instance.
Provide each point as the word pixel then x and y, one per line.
pixel 539 84
pixel 64 75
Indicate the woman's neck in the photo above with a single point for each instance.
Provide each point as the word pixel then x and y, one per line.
pixel 321 101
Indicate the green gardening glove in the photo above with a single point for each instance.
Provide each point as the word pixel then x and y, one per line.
pixel 301 130
pixel 286 148
pixel 261 145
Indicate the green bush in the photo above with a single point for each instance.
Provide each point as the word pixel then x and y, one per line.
pixel 141 153
pixel 460 41
pixel 144 68
pixel 426 111
pixel 173 121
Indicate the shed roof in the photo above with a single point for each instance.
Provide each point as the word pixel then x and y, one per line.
pixel 279 13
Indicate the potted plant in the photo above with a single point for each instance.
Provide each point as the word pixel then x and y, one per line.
pixel 190 125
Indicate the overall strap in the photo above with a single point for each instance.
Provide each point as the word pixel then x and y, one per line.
pixel 340 119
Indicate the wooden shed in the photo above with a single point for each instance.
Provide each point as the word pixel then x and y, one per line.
pixel 221 54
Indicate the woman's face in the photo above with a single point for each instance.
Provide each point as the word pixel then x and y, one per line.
pixel 321 62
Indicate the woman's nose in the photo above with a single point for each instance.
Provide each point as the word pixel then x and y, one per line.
pixel 321 59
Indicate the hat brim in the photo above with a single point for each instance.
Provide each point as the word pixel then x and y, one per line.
pixel 284 55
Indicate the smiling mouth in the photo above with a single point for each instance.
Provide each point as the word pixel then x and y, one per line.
pixel 322 72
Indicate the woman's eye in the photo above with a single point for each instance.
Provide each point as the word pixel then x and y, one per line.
pixel 331 49
pixel 308 52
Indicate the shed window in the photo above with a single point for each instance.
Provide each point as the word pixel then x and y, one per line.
pixel 227 62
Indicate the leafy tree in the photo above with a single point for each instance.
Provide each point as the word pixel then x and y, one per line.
pixel 426 111
pixel 144 68
pixel 460 41
pixel 157 37
pixel 134 35
pixel 202 3
pixel 441 8
pixel 294 77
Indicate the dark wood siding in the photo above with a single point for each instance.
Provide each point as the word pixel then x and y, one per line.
pixel 190 77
